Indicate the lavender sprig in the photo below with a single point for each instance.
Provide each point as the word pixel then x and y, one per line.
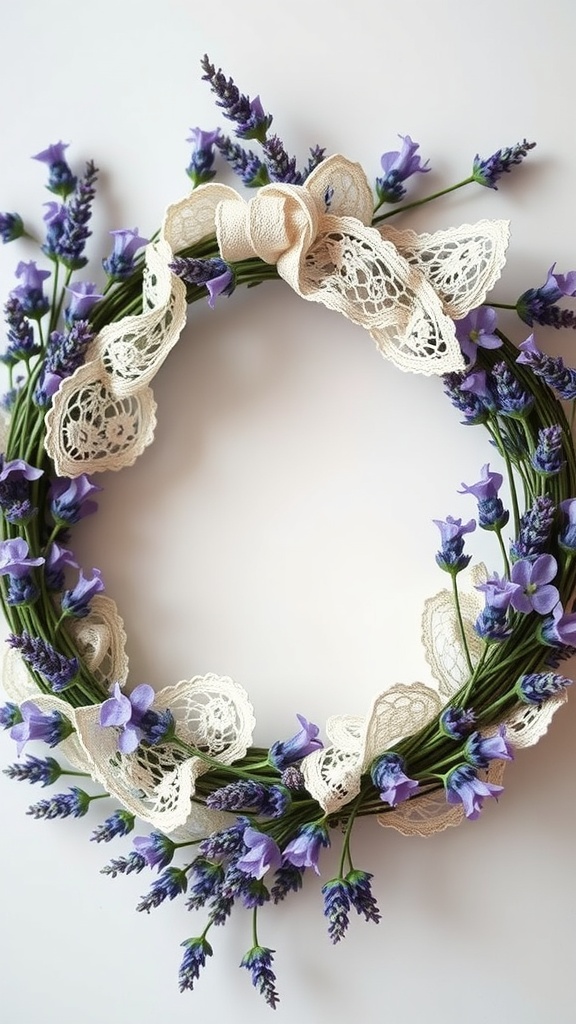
pixel 247 114
pixel 243 162
pixel 488 172
pixel 78 212
pixel 58 670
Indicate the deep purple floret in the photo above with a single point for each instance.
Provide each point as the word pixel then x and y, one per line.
pixel 15 479
pixel 511 398
pixel 58 560
pixel 207 881
pixel 58 670
pixel 388 776
pixel 118 824
pixel 550 368
pixel 247 795
pixel 19 334
pixel 559 628
pixel 45 770
pixel 547 458
pixel 535 528
pixel 361 897
pixel 9 715
pixel 61 181
pixel 304 850
pixel 75 232
pixel 537 687
pixel 170 884
pixel 11 227
pixel 288 878
pixel 227 843
pixel 121 262
pixel 215 273
pixel 474 408
pixel 258 961
pixel 480 750
pixel 65 352
pixel 336 895
pixel 156 848
pixel 567 538
pixel 237 884
pixel 201 167
pixel 194 959
pixel 75 803
pixel 243 162
pixel 463 786
pixel 491 512
pixel 134 862
pixel 457 722
pixel 76 602
pixel 248 115
pixel 398 166
pixel 280 166
pixel 452 531
pixel 538 305
pixel 22 591
pixel 55 220
pixel 284 752
pixel 488 172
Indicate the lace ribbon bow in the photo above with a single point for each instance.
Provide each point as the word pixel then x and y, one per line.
pixel 405 289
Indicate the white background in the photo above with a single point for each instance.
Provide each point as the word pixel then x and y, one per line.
pixel 279 530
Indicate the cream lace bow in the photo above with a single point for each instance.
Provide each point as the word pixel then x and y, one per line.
pixel 404 289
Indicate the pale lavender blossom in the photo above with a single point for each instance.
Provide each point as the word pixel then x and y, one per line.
pixel 133 716
pixel 398 166
pixel 535 591
pixel 262 854
pixel 51 727
pixel 389 778
pixel 476 330
pixel 304 742
pixel 14 560
pixel 304 850
pixel 71 500
pixel 76 602
pixel 121 262
pixel 464 787
pixel 480 750
pixel 83 296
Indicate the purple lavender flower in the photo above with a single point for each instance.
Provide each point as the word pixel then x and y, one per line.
pixel 15 478
pixel 69 246
pixel 9 715
pixel 83 296
pixel 243 162
pixel 304 850
pixel 245 794
pixel 60 177
pixel 292 778
pixel 248 115
pixel 538 305
pixel 456 722
pixel 488 172
pixel 535 592
pixel 70 500
pixel 55 220
pixel 57 560
pixel 207 883
pixel 463 786
pixel 200 169
pixel 76 602
pixel 550 368
pixel 547 459
pixel 118 824
pixel 59 671
pixel 64 354
pixel 20 334
pixel 215 273
pixel 35 769
pixel 567 538
pixel 62 805
pixel 388 776
pixel 480 750
pixel 450 557
pixel 492 624
pixel 559 628
pixel 474 409
pixel 476 383
pixel 336 895
pixel 262 854
pixel 11 227
pixel 237 884
pixel 491 512
pixel 398 166
pixel 124 865
pixel 287 879
pixel 304 742
pixel 122 260
pixel 361 897
pixel 30 293
pixel 133 716
pixel 537 687
pixel 535 528
pixel 280 166
pixel 194 959
pixel 14 559
pixel 258 961
pixel 156 849
pixel 170 884
pixel 476 330
pixel 511 398
pixel 227 843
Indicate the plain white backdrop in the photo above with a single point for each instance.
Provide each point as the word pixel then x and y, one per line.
pixel 279 530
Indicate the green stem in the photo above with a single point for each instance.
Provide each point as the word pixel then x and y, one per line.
pixel 420 202
pixel 461 623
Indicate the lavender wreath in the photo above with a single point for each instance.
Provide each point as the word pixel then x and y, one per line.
pixel 262 824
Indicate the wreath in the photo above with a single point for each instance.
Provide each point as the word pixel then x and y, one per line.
pixel 234 823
